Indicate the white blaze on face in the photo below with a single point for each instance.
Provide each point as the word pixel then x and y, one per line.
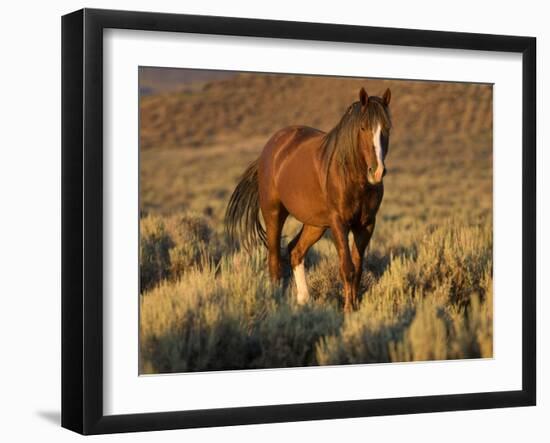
pixel 301 285
pixel 377 142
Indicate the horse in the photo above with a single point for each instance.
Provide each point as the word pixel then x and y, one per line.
pixel 331 180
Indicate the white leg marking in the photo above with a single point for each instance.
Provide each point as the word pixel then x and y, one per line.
pixel 301 285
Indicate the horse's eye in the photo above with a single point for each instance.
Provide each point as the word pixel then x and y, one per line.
pixel 362 128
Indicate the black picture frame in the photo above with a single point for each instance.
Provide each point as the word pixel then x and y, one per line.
pixel 82 219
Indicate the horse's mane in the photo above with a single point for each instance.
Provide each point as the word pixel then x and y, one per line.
pixel 340 143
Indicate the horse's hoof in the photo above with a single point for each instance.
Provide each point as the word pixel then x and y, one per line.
pixel 302 298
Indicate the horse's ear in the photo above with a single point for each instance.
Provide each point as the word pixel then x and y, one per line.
pixel 363 97
pixel 387 97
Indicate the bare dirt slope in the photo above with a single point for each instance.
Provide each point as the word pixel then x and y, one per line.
pixel 247 105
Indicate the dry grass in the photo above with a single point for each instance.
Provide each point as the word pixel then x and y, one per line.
pixel 427 285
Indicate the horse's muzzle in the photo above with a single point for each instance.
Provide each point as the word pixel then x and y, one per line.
pixel 376 177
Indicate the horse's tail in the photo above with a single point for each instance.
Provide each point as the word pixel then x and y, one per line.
pixel 242 216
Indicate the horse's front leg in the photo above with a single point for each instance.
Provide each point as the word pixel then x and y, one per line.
pixel 340 233
pixel 361 239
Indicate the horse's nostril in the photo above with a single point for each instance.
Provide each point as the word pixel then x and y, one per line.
pixel 384 173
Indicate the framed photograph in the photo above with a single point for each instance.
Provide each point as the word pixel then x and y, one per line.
pixel 269 221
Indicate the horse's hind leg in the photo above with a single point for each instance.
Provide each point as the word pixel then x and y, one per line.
pixel 274 218
pixel 297 250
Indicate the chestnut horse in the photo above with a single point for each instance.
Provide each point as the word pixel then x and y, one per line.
pixel 324 180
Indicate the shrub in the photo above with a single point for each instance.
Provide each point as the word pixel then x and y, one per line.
pixel 189 327
pixel 287 337
pixel 154 252
pixel 170 246
pixel 194 242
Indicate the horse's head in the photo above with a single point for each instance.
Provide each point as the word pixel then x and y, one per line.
pixel 374 133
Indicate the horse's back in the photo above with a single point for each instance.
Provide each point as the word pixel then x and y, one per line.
pixel 287 146
pixel 289 172
pixel 290 138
